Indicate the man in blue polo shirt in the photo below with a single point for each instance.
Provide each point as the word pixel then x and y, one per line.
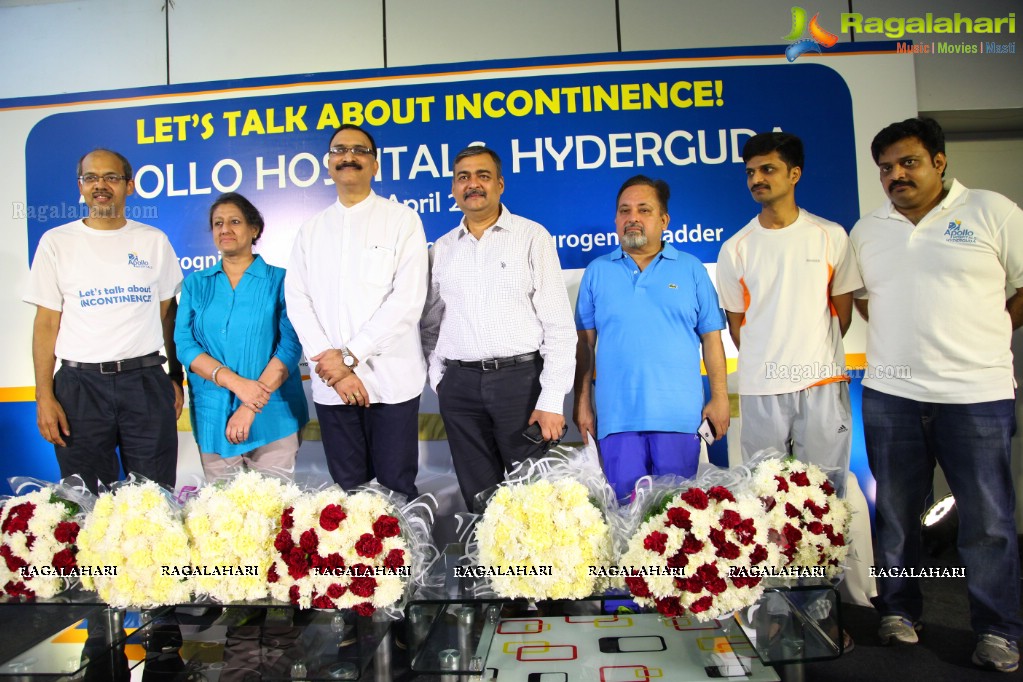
pixel 654 309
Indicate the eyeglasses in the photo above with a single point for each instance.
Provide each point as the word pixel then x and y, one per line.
pixel 341 150
pixel 109 178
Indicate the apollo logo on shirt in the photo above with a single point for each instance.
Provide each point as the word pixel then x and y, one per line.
pixel 136 262
pixel 955 233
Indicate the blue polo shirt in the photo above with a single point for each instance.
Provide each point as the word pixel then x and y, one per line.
pixel 648 327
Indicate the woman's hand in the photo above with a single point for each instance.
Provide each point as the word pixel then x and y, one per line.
pixel 239 425
pixel 253 394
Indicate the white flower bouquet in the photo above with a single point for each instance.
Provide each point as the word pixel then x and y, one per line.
pixel 544 533
pixel 136 534
pixel 231 529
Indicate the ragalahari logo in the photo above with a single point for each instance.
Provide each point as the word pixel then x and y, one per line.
pixel 819 37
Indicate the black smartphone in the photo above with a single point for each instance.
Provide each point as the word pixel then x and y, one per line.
pixel 533 433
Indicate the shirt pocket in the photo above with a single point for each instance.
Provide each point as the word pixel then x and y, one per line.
pixel 377 266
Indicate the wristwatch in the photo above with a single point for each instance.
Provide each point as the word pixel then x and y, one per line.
pixel 348 358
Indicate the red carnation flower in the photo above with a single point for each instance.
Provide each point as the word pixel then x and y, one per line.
pixel 716 586
pixel 394 559
pixel 336 591
pixel 369 546
pixel 18 589
pixel 678 560
pixel 720 493
pixel 364 609
pixel 333 562
pixel 768 502
pixel 29 540
pixel 293 594
pixel 815 527
pixel 828 488
pixel 717 537
pixel 308 541
pixel 707 572
pixel 818 512
pixel 792 534
pixel 637 586
pixel 730 518
pixel 64 560
pixel 298 565
pixel 271 575
pixel 783 485
pixel 655 542
pixel 66 532
pixel 323 602
pixel 695 498
pixel 758 555
pixel 669 607
pixel 839 540
pixel 283 542
pixel 287 520
pixel 679 517
pixel 386 527
pixel 691 584
pixel 791 511
pixel 745 531
pixel 728 551
pixel 332 516
pixel 691 545
pixel 746 582
pixel 701 604
pixel 14 562
pixel 363 587
pixel 361 570
pixel 800 478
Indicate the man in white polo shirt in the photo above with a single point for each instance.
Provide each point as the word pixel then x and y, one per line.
pixel 786 281
pixel 935 260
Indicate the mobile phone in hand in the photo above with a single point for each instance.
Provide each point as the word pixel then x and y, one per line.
pixel 707 432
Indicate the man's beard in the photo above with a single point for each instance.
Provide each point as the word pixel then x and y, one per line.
pixel 634 240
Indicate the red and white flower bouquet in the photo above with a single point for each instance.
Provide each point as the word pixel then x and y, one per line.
pixel 806 519
pixel 38 534
pixel 337 550
pixel 714 544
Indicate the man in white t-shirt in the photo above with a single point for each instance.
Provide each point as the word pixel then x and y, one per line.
pixel 786 281
pixel 104 290
pixel 935 260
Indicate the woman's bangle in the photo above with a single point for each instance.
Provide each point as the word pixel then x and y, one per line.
pixel 213 374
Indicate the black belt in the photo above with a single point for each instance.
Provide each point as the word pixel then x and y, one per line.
pixel 496 363
pixel 113 367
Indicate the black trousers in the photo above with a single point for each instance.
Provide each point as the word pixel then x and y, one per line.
pixel 131 412
pixel 484 415
pixel 382 442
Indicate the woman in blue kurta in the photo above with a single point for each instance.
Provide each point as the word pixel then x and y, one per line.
pixel 233 335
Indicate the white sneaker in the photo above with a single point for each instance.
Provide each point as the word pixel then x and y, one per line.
pixel 897 630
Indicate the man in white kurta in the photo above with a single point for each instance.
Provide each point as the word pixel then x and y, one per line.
pixel 355 290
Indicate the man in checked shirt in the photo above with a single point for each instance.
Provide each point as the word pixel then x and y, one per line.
pixel 497 330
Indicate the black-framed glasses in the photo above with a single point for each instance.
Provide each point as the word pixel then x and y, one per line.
pixel 109 178
pixel 358 150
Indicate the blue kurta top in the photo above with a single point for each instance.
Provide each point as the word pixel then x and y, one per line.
pixel 649 325
pixel 243 328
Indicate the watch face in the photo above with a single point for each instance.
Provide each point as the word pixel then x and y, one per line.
pixel 349 361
